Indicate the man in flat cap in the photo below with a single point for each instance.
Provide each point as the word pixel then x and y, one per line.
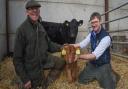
pixel 31 51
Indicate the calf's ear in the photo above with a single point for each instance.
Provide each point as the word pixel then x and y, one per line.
pixel 80 22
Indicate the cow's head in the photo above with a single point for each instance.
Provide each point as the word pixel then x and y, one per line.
pixel 72 29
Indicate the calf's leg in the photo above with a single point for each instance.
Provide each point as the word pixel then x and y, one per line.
pixel 68 73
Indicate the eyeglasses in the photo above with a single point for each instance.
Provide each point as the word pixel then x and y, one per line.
pixel 93 22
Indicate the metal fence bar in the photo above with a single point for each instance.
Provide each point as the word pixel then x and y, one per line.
pixel 120 55
pixel 116 19
pixel 120 42
pixel 118 30
pixel 115 8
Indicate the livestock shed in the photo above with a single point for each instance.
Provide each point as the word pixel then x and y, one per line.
pixel 114 14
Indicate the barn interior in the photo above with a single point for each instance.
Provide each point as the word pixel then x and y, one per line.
pixel 114 15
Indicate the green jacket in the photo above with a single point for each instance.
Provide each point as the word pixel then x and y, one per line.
pixel 31 50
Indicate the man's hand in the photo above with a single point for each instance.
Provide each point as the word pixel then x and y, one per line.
pixel 75 45
pixel 27 85
pixel 87 57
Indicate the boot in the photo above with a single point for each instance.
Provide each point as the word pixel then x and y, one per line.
pixel 53 75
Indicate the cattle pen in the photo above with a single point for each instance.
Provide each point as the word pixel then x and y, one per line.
pixel 117 26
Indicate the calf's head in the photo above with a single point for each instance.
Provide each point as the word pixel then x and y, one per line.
pixel 69 52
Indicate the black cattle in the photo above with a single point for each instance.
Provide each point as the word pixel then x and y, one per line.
pixel 62 33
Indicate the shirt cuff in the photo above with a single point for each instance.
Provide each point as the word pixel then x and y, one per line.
pixel 95 55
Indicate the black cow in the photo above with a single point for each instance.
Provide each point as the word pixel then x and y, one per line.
pixel 62 33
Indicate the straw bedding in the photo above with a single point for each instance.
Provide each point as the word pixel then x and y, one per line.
pixel 8 76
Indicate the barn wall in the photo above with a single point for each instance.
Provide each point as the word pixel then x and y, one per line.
pixel 60 10
pixel 2 29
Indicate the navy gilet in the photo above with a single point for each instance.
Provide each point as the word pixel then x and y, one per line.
pixel 95 40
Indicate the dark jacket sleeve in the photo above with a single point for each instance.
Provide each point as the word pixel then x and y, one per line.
pixel 18 58
pixel 53 47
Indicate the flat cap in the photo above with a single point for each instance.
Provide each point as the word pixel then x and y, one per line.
pixel 32 3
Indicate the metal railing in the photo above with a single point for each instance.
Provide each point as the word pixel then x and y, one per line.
pixel 115 8
pixel 115 19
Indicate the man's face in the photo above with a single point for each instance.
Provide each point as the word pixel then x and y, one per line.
pixel 95 23
pixel 33 13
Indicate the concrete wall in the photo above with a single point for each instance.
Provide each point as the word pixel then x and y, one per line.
pixel 2 29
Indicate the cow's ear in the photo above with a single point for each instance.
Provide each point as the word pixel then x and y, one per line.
pixel 66 23
pixel 80 22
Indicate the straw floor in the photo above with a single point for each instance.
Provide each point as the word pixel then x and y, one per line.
pixel 8 76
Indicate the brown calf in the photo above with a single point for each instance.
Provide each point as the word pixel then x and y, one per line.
pixel 69 54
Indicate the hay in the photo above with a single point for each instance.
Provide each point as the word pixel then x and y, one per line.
pixel 8 76
pixel 121 67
